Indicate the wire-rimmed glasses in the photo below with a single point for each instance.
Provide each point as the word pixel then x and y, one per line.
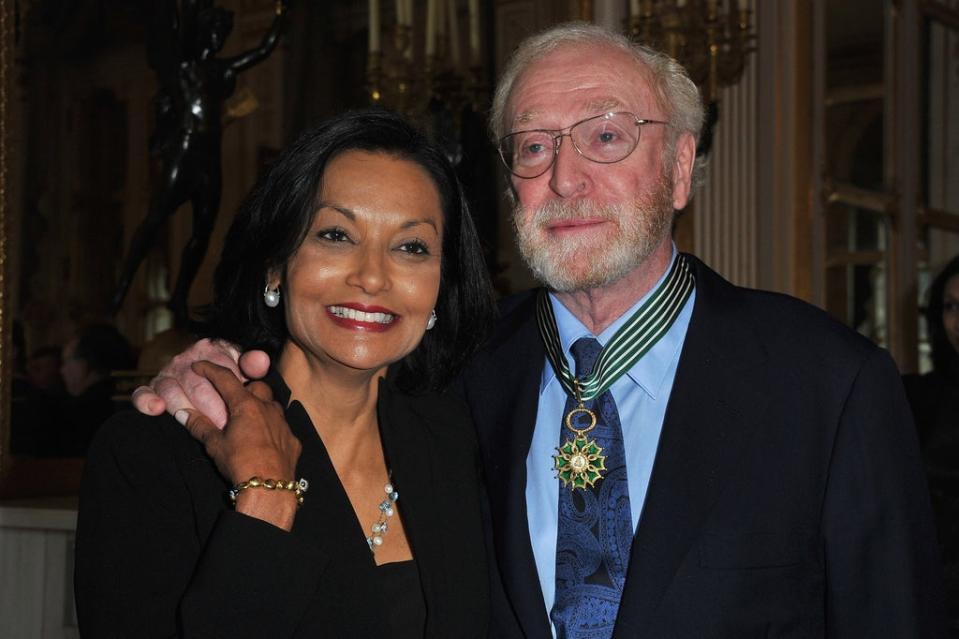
pixel 605 138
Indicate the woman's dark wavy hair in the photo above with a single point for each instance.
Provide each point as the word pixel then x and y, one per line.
pixel 276 215
pixel 944 356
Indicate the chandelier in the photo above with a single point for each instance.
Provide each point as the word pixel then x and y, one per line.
pixel 711 38
pixel 433 67
pixel 425 59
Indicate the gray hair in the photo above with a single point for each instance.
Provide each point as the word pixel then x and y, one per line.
pixel 673 89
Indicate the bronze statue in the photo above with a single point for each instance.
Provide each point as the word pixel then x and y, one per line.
pixel 182 46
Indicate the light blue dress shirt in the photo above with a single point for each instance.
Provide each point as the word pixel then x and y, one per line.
pixel 641 396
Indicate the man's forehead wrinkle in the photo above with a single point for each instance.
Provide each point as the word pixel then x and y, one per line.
pixel 524 117
pixel 561 77
pixel 603 105
pixel 593 106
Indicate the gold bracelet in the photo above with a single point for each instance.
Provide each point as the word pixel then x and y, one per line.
pixel 298 488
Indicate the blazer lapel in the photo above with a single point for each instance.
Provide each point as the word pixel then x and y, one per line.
pixel 502 388
pixel 410 456
pixel 712 410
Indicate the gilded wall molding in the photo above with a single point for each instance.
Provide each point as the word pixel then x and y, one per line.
pixel 6 319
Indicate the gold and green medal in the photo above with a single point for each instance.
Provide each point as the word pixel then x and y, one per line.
pixel 579 462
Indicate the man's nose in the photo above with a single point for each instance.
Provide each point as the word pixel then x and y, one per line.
pixel 569 174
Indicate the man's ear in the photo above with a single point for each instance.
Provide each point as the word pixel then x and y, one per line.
pixel 683 162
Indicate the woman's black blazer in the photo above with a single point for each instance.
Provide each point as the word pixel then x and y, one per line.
pixel 160 553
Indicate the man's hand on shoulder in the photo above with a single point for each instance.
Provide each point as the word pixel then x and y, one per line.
pixel 177 388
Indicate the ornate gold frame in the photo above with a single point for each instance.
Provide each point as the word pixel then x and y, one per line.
pixel 6 319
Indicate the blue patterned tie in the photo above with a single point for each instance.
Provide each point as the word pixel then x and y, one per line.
pixel 595 526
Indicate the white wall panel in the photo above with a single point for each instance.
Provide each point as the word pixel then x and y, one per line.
pixel 725 205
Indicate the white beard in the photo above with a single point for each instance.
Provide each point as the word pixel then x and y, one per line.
pixel 567 264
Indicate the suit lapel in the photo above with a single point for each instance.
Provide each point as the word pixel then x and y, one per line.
pixel 410 456
pixel 503 391
pixel 712 409
pixel 326 518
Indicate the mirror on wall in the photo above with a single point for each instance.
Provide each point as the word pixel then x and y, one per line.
pixel 82 106
pixel 81 113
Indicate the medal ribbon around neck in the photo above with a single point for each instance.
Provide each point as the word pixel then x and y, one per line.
pixel 579 463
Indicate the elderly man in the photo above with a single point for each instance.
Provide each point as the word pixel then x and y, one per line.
pixel 668 455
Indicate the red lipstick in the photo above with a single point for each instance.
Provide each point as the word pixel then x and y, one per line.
pixel 362 317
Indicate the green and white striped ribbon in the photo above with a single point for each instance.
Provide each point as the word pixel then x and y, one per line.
pixel 633 339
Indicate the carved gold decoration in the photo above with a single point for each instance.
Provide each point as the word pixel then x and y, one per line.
pixel 708 37
pixel 6 321
pixel 409 68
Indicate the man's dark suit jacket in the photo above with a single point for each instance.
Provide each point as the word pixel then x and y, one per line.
pixel 160 553
pixel 786 499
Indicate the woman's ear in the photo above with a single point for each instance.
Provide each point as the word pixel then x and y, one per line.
pixel 274 278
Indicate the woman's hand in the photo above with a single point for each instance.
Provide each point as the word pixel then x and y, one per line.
pixel 256 441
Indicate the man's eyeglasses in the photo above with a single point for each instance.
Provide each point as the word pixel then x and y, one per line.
pixel 605 138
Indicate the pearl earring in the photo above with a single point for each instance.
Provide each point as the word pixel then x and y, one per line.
pixel 271 298
pixel 431 322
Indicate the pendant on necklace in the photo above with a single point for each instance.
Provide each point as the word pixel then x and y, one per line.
pixel 579 463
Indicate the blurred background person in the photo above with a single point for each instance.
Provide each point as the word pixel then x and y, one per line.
pixel 36 388
pixel 934 398
pixel 87 363
pixel 43 370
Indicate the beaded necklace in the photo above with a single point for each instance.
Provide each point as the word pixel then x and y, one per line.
pixel 386 511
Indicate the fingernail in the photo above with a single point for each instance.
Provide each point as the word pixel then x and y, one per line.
pixel 181 416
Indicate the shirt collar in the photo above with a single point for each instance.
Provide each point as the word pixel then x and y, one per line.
pixel 648 373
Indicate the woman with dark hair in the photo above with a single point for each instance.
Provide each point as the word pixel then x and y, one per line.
pixel 355 265
pixel 934 397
